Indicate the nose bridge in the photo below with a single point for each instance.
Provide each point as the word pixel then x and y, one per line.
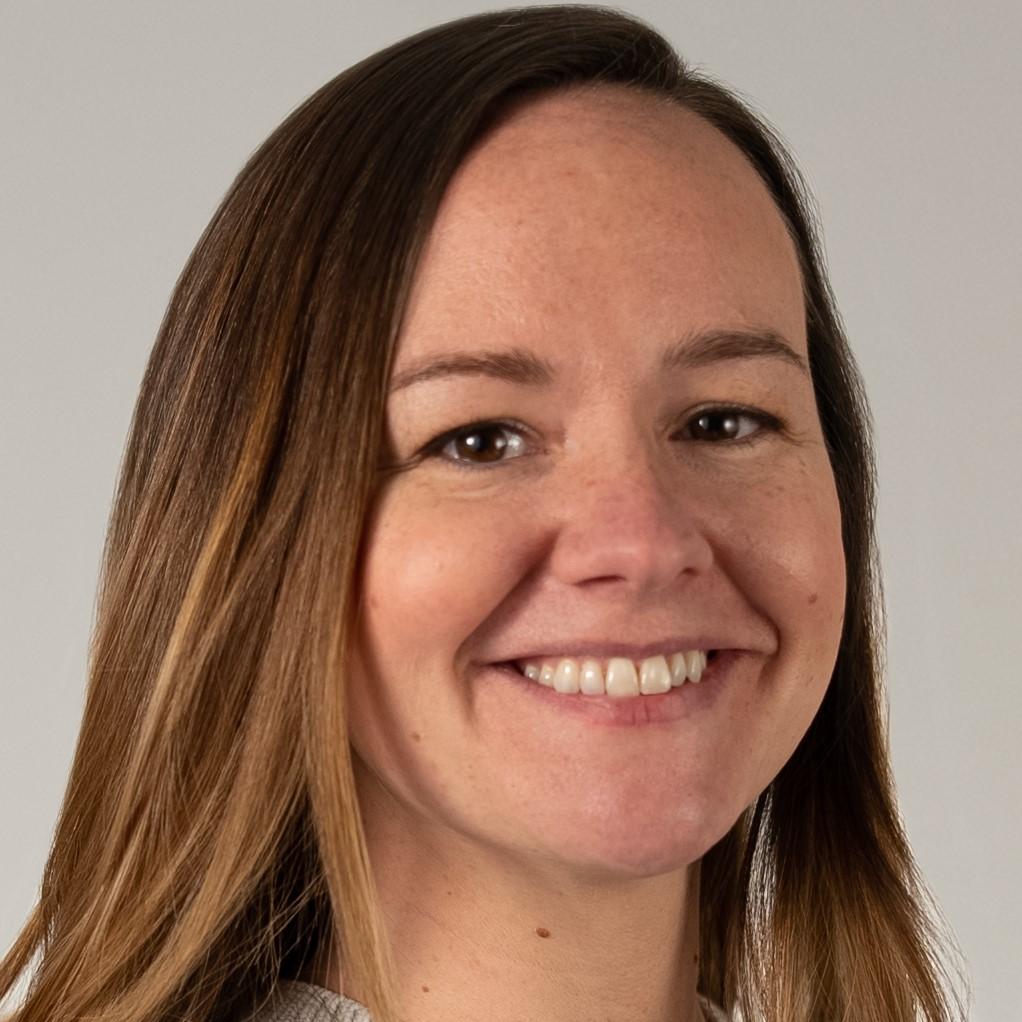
pixel 628 515
pixel 633 487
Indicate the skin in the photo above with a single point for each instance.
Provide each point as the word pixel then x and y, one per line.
pixel 532 865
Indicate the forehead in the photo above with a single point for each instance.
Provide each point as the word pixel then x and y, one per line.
pixel 587 210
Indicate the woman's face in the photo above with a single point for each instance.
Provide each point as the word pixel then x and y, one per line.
pixel 601 513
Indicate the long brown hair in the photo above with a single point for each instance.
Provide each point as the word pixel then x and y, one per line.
pixel 210 840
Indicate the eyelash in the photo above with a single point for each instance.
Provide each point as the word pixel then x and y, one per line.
pixel 433 449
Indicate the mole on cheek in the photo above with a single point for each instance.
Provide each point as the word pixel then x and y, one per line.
pixel 416 736
pixel 813 597
pixel 542 931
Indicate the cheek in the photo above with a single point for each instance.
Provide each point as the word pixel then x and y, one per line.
pixel 432 569
pixel 791 568
pixel 785 550
pixel 818 576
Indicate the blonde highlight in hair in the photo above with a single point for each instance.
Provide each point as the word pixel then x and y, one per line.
pixel 210 841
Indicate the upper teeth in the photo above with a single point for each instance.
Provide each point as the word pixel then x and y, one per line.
pixel 618 676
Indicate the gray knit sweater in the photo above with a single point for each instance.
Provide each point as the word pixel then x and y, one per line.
pixel 302 1002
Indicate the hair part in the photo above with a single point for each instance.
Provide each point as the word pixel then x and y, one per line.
pixel 210 841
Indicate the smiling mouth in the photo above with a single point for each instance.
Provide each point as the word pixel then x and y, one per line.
pixel 631 707
pixel 616 677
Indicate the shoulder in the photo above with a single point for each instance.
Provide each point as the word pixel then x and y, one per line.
pixel 294 1001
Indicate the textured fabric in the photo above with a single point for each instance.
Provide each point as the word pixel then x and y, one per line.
pixel 304 1002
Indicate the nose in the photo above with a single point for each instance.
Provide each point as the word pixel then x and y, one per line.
pixel 629 523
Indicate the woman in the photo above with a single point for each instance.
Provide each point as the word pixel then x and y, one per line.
pixel 489 623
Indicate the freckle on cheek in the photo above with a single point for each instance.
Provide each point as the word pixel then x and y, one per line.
pixel 813 597
pixel 416 737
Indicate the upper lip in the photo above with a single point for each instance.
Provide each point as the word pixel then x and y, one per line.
pixel 601 648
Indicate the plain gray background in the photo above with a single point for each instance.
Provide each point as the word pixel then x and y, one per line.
pixel 123 124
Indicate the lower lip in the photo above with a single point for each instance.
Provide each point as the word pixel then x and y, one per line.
pixel 691 698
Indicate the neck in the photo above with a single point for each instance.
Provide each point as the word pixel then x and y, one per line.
pixel 481 934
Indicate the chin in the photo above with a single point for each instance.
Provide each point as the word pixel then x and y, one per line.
pixel 642 850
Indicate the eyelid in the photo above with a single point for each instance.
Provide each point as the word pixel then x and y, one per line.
pixel 768 423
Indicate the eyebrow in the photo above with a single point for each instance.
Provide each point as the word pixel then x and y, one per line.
pixel 520 365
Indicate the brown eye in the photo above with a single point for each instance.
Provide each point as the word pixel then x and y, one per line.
pixel 724 424
pixel 478 444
